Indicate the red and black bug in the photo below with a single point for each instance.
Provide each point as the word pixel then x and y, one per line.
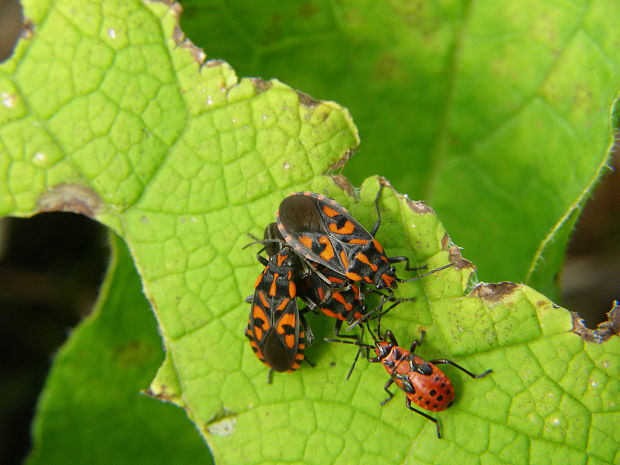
pixel 340 299
pixel 343 299
pixel 324 232
pixel 324 290
pixel 277 330
pixel 422 382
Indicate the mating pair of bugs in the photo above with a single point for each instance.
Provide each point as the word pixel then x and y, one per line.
pixel 317 251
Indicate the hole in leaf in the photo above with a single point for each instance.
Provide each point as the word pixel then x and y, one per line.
pixel 590 276
pixel 51 266
pixel 11 25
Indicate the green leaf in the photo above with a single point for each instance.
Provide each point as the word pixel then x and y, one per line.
pixel 92 410
pixel 112 113
pixel 497 113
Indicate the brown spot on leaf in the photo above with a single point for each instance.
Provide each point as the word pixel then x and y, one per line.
pixel 214 63
pixel 344 184
pixel 446 241
pixel 27 31
pixel 261 85
pixel 342 160
pixel 458 260
pixel 183 42
pixel 603 331
pixel 197 53
pixel 74 198
pixel 176 8
pixel 493 292
pixel 417 206
pixel 306 100
pixel 163 394
pixel 178 35
pixel 385 183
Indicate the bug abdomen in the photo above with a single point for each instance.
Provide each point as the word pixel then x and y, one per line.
pixel 433 392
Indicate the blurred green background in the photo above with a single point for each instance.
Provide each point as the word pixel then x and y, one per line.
pixel 52 265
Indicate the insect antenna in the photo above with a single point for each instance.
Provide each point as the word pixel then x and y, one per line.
pixel 371 314
pixel 425 274
pixel 361 346
pixel 261 241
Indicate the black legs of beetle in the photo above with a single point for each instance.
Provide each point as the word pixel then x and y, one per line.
pixel 410 407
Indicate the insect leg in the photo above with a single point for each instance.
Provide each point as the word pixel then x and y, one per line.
pixel 375 228
pixel 434 420
pixel 386 389
pixel 307 329
pixel 443 361
pixel 416 343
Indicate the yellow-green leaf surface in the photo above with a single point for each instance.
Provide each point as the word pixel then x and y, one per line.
pixel 92 411
pixel 495 112
pixel 109 111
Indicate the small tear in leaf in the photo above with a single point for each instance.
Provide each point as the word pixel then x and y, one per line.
pixel 493 292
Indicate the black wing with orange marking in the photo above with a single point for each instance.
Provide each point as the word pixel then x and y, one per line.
pixel 320 229
pixel 323 231
pixel 275 327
